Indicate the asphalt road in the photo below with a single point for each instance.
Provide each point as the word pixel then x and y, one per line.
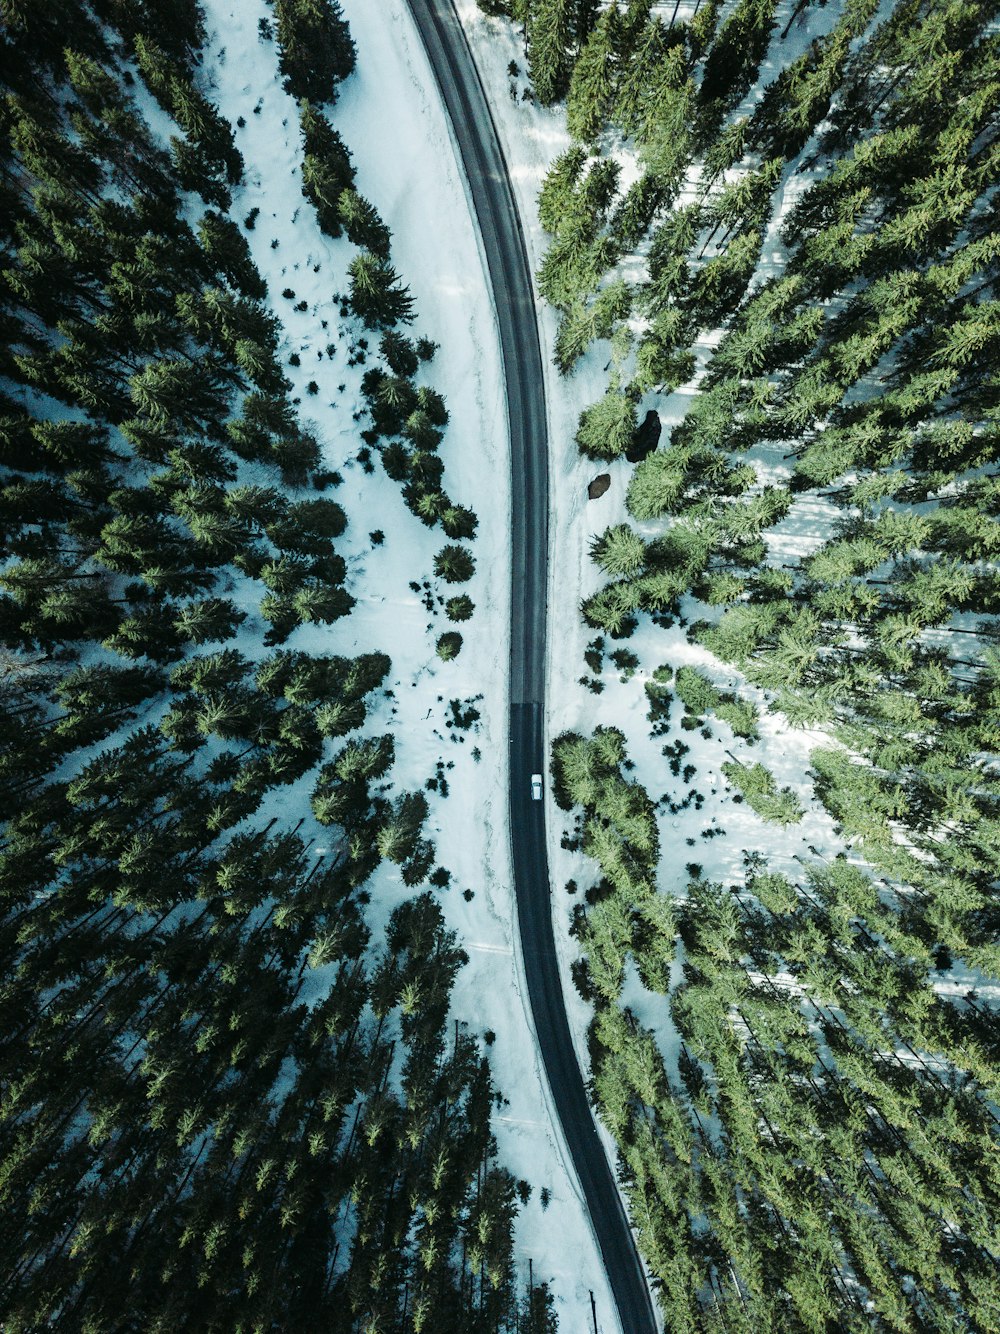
pixel 510 277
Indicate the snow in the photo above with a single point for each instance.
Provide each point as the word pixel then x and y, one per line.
pixel 390 115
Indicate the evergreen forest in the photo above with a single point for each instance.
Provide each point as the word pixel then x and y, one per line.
pixel 801 280
pixel 233 1099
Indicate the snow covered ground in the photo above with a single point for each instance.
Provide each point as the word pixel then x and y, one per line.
pixel 390 115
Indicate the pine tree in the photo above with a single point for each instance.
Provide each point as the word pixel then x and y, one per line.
pixel 362 223
pixel 619 551
pixel 734 58
pixel 377 296
pixel 592 85
pixel 316 48
pixel 549 38
pixel 227 250
pixel 327 170
pixel 559 187
pixel 459 608
pixel 607 427
pixel 454 564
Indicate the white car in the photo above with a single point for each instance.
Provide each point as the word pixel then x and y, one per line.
pixel 536 787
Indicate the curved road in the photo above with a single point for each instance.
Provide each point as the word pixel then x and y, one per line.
pixel 510 277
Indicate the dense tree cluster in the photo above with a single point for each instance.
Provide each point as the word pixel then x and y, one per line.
pixel 226 1104
pixel 627 916
pixel 820 1149
pixel 820 1154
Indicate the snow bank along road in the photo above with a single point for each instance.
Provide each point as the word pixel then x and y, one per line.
pixel 510 277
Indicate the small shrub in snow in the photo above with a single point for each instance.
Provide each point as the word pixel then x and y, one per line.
pixel 459 608
pixel 449 645
pixel 463 714
pixel 454 564
pixel 626 661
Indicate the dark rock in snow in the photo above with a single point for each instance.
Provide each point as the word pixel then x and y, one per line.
pixel 646 438
pixel 598 486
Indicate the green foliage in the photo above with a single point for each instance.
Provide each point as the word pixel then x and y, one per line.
pixel 377 295
pixel 362 223
pixel 207 159
pixel 454 564
pixel 619 550
pixel 549 32
pixel 852 370
pixel 699 697
pixel 327 170
pixel 316 48
pixel 583 322
pixel 761 792
pixel 734 58
pixel 659 694
pixel 619 832
pixel 459 608
pixel 226 248
pixel 606 429
pixel 559 187
pixel 592 85
pixel 449 645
